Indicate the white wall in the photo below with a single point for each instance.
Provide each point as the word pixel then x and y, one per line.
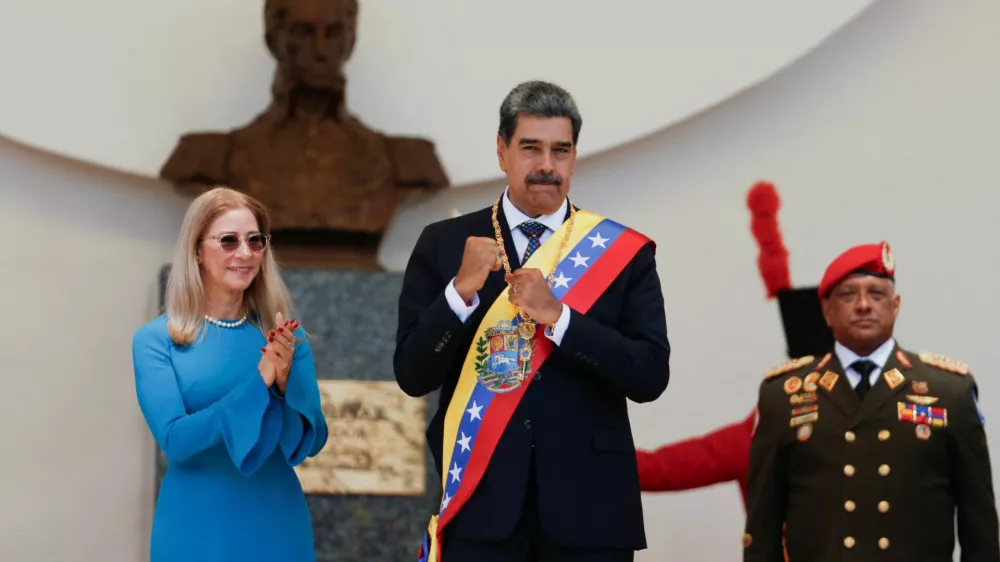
pixel 82 248
pixel 889 130
pixel 405 59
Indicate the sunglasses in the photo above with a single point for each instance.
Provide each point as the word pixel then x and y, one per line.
pixel 230 241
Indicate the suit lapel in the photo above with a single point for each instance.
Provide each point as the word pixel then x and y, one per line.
pixel 835 384
pixel 890 382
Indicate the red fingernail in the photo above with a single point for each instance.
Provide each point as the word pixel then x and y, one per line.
pixel 270 338
pixel 271 333
pixel 263 350
pixel 280 329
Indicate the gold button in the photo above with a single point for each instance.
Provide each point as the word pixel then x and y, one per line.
pixel 849 542
pixel 747 539
pixel 884 470
pixel 883 435
pixel 883 543
pixel 849 470
pixel 849 505
pixel 883 506
pixel 849 436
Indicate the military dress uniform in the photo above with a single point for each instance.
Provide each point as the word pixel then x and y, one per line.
pixel 878 475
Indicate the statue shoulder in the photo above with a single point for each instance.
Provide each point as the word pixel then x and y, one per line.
pixel 415 163
pixel 790 366
pixel 943 363
pixel 197 157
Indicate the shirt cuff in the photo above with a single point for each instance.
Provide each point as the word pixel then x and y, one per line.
pixel 457 305
pixel 556 331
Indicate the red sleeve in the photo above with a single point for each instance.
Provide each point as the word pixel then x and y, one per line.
pixel 714 458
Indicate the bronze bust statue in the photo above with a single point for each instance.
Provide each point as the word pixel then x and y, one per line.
pixel 315 166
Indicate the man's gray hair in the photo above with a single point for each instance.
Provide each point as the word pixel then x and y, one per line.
pixel 539 98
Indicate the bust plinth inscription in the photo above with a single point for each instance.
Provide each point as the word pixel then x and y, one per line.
pixel 323 174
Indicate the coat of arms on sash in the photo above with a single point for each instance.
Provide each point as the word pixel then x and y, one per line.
pixel 503 358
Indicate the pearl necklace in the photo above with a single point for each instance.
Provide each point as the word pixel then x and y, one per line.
pixel 224 324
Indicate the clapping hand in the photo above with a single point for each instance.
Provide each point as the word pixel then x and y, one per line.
pixel 280 349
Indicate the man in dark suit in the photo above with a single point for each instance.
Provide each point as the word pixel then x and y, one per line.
pixel 535 364
pixel 869 452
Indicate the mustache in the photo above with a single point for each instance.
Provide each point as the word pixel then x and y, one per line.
pixel 543 178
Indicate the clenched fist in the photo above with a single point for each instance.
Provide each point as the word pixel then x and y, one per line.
pixel 530 291
pixel 481 256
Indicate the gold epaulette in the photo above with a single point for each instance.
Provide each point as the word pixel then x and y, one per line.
pixel 789 366
pixel 943 363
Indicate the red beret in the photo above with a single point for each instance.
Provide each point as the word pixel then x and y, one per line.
pixel 873 259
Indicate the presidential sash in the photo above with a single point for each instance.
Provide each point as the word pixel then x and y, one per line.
pixel 499 366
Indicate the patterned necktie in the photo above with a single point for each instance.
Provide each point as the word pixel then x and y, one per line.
pixel 864 367
pixel 533 230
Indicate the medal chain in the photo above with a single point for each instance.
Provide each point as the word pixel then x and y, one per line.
pixel 558 258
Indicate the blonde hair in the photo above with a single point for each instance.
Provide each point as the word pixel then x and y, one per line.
pixel 185 293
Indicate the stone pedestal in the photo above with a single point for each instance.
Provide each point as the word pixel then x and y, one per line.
pixel 351 318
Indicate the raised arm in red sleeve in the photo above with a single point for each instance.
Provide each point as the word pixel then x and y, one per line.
pixel 713 458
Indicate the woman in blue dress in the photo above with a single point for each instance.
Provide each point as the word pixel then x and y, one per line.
pixel 229 394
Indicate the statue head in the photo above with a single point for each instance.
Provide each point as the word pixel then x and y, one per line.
pixel 311 40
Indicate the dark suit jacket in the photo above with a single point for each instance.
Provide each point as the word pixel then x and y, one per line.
pixel 574 413
pixel 867 483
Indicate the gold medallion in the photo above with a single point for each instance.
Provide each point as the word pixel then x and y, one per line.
pixel 923 432
pixel 526 330
pixel 792 385
pixel 805 432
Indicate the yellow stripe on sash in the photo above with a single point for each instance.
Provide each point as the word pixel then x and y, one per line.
pixel 502 309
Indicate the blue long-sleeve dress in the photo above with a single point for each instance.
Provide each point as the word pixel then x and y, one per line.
pixel 229 492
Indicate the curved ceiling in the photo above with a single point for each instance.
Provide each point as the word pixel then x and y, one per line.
pixel 116 82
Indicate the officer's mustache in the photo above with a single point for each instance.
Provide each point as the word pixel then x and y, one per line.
pixel 550 179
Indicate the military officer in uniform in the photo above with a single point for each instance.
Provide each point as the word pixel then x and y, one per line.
pixel 870 451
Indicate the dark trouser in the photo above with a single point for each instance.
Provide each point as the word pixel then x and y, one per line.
pixel 527 543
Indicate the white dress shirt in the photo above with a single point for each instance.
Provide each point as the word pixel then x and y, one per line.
pixel 879 357
pixel 514 218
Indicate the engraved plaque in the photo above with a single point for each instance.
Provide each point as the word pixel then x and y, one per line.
pixel 376 443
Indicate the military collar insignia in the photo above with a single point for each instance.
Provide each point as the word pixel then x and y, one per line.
pixel 828 380
pixel 944 363
pixel 893 378
pixel 788 366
